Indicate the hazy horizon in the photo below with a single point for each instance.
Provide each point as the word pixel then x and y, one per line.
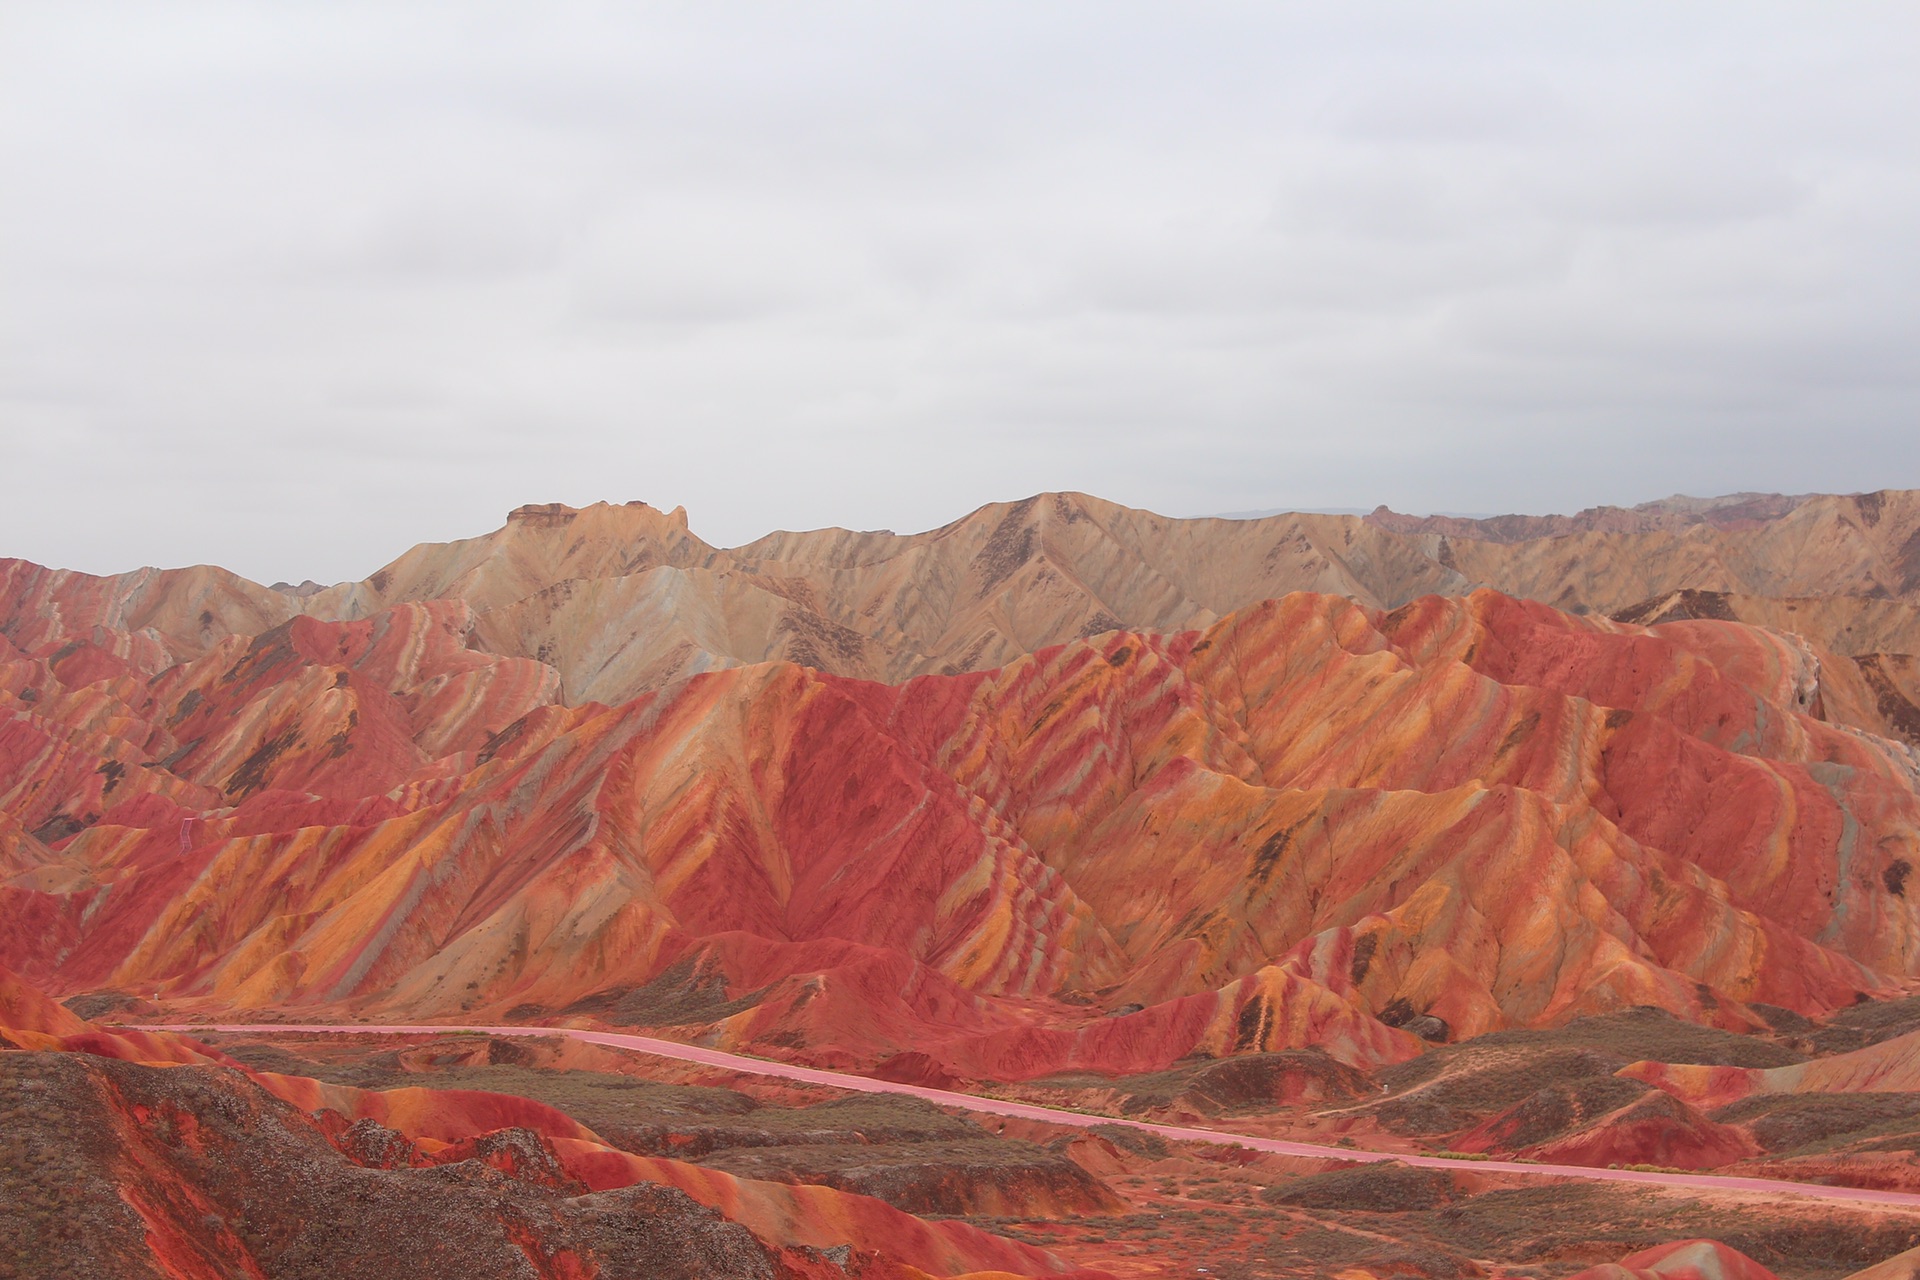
pixel 693 525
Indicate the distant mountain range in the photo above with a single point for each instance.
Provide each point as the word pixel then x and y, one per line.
pixel 622 599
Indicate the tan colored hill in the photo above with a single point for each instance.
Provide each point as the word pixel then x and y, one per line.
pixel 1014 577
pixel 1732 511
pixel 1853 625
pixel 623 599
pixel 1862 545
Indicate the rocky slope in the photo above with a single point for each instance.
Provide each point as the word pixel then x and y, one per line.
pixel 284 1155
pixel 113 1163
pixel 1060 787
pixel 1311 823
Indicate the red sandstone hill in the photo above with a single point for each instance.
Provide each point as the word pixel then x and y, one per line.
pixel 1310 823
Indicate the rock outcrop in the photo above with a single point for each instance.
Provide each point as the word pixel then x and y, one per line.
pixel 1311 823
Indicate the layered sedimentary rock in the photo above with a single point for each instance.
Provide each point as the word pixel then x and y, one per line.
pixel 1686 1260
pixel 1889 1067
pixel 31 1021
pixel 1855 626
pixel 624 599
pixel 1060 786
pixel 1310 823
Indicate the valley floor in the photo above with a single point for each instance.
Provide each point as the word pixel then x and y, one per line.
pixel 1233 1194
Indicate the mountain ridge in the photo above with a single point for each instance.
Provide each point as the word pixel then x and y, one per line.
pixel 1009 578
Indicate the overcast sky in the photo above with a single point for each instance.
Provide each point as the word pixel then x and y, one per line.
pixel 291 287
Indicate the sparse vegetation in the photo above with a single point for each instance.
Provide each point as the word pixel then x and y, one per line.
pixel 1181 1200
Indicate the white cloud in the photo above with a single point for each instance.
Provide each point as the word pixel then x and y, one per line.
pixel 291 288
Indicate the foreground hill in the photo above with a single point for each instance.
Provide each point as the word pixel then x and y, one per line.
pixel 157 1156
pixel 286 1154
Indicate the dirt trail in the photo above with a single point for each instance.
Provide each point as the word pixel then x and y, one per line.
pixel 1052 1115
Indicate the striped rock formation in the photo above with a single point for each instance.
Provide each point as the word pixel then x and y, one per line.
pixel 30 1021
pixel 1685 1260
pixel 1309 823
pixel 1892 1066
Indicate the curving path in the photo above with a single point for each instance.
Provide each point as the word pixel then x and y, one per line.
pixel 1052 1115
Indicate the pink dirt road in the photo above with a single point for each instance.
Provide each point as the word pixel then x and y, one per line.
pixel 1027 1111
